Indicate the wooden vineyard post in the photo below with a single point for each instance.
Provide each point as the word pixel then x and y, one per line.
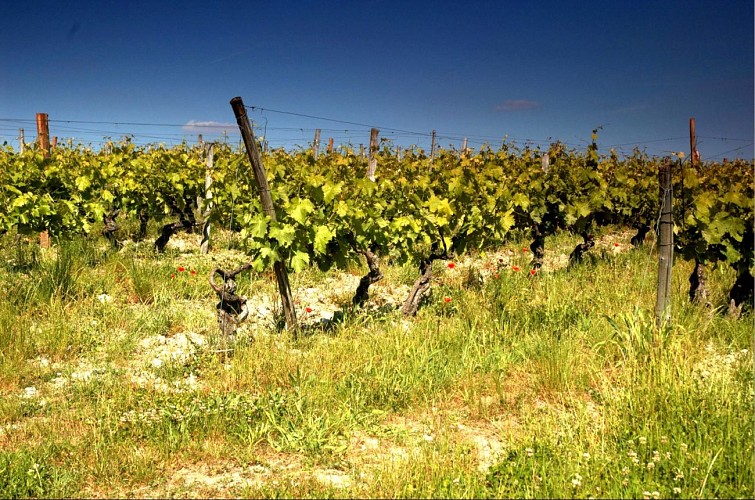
pixel 21 141
pixel 694 155
pixel 316 143
pixel 372 165
pixel 432 149
pixel 43 134
pixel 204 246
pixel 665 246
pixel 43 139
pixel 330 145
pixel 202 151
pixel 464 147
pixel 255 158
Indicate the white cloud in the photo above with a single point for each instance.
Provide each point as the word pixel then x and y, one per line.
pixel 209 127
pixel 516 105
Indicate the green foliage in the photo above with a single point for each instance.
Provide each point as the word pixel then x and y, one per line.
pixel 328 212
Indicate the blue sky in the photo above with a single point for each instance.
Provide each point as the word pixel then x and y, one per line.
pixel 534 71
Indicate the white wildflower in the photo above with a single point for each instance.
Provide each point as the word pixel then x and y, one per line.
pixel 577 481
pixel 104 298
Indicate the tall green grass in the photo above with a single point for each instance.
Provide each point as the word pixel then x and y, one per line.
pixel 563 375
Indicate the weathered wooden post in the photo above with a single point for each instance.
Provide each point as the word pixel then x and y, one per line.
pixel 21 141
pixel 330 145
pixel 464 147
pixel 694 155
pixel 432 149
pixel 372 165
pixel 316 143
pixel 665 246
pixel 204 246
pixel 267 204
pixel 43 139
pixel 43 134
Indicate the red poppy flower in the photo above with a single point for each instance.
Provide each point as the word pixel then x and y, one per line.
pixel 308 309
pixel 451 265
pixel 446 299
pixel 181 269
pixel 192 272
pixel 525 250
pixel 497 275
pixel 515 268
pixel 172 276
pixel 533 272
pixel 616 244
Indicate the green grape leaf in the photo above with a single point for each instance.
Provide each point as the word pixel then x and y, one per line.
pixel 323 235
pixel 300 261
pixel 301 208
pixel 284 235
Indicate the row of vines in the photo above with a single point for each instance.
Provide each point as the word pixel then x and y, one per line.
pixel 417 210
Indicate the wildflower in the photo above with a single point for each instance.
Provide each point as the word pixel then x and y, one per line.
pixel 625 482
pixel 193 272
pixel 586 456
pixel 104 298
pixel 677 490
pixel 646 495
pixel 497 275
pixel 656 456
pixel 616 245
pixel 308 309
pixel 173 276
pixel 625 471
pixel 515 268
pixel 181 269
pixel 683 446
pixel 529 452
pixel 643 440
pixel 650 465
pixel 451 265
pixel 533 272
pixel 656 494
pixel 446 299
pixel 664 439
pixel 525 250
pixel 577 481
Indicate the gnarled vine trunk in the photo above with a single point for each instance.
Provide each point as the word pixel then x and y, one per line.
pixel 373 276
pixel 741 294
pixel 537 247
pixel 581 249
pixel 232 308
pixel 639 238
pixel 420 288
pixel 111 226
pixel 698 292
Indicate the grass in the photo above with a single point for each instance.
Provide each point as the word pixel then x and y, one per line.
pixel 115 381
